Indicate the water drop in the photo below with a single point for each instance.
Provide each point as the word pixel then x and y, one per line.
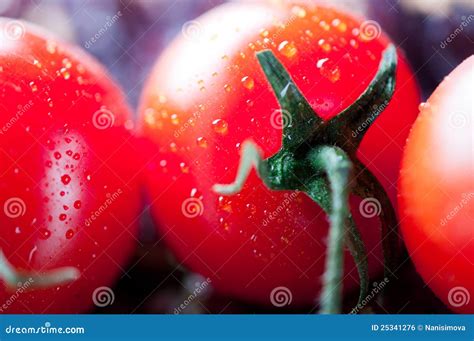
pixel 69 234
pixel 288 49
pixel 201 142
pixel 248 82
pixel 65 179
pixel 220 126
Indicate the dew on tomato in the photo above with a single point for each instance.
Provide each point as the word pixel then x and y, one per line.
pixel 50 92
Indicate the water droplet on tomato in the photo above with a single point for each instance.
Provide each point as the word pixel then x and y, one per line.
pixel 201 142
pixel 248 82
pixel 44 233
pixel 57 155
pixel 299 11
pixel 33 87
pixel 174 119
pixel 69 234
pixel 288 49
pixel 330 71
pixel 77 204
pixel 65 179
pixel 62 217
pixel 184 167
pixel 227 88
pixel 220 126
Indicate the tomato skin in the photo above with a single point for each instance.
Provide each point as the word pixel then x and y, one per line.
pixel 437 190
pixel 61 166
pixel 207 94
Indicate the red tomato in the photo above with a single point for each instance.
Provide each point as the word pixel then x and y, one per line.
pixel 67 197
pixel 437 190
pixel 207 94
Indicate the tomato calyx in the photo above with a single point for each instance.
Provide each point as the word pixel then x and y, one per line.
pixel 13 278
pixel 319 158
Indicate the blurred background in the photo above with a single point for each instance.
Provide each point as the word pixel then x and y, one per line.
pixel 136 37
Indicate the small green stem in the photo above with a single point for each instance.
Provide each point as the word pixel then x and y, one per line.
pixel 12 278
pixel 337 166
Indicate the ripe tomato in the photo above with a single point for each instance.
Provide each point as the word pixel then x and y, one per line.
pixel 437 190
pixel 207 94
pixel 67 197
